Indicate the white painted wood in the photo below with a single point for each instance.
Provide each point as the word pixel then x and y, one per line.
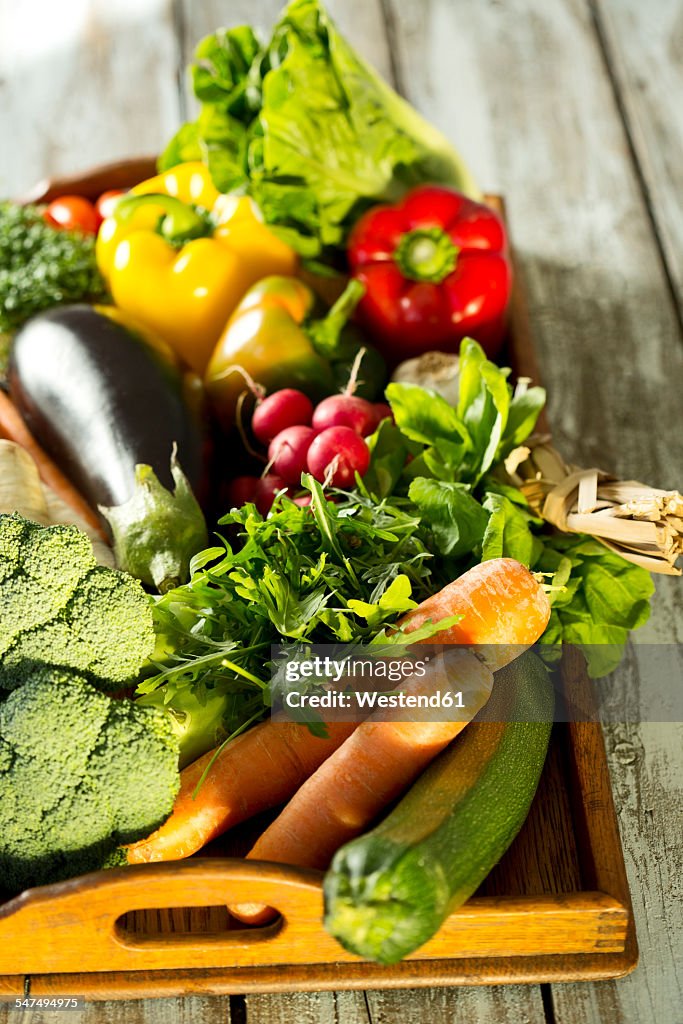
pixel 644 44
pixel 81 83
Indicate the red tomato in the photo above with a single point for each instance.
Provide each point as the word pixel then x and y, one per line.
pixel 73 213
pixel 107 201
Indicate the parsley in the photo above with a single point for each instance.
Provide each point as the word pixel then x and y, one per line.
pixel 42 266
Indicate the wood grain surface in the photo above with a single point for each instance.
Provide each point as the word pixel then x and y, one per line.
pixel 571 108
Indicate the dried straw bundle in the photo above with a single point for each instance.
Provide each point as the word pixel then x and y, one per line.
pixel 640 523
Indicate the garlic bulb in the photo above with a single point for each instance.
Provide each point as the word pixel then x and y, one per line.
pixel 437 371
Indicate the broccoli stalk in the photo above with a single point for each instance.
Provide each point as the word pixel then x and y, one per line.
pixel 198 720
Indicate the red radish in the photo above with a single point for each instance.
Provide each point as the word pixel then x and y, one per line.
pixel 304 501
pixel 336 455
pixel 241 490
pixel 345 411
pixel 382 412
pixel 285 408
pixel 287 452
pixel 266 489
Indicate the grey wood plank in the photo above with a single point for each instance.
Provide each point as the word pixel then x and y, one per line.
pixel 521 88
pixel 180 1010
pixel 644 47
pixel 438 1006
pixel 83 87
pixel 495 1005
pixel 307 1008
pixel 647 776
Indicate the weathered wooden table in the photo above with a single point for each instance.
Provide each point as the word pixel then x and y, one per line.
pixel 571 109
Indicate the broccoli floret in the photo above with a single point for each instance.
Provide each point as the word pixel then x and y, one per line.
pixel 58 607
pixel 42 266
pixel 80 774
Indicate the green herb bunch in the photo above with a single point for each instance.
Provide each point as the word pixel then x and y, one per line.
pixel 42 266
pixel 337 571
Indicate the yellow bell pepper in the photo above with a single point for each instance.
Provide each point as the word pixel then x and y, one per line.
pixel 178 255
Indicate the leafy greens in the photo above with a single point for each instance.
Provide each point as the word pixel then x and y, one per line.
pixel 449 462
pixel 308 129
pixel 335 572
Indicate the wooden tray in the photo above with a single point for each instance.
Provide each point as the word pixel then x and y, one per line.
pixel 556 908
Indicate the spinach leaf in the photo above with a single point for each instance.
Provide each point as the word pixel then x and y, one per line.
pixel 456 519
pixel 508 531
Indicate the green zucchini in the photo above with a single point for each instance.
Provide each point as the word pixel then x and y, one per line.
pixel 389 891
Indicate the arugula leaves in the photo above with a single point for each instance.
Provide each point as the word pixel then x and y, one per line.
pixel 337 571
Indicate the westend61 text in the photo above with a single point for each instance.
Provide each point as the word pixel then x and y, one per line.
pixel 371 699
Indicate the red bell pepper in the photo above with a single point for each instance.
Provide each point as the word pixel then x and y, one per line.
pixel 435 270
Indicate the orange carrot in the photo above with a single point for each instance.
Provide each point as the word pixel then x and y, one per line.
pixel 13 428
pixel 503 607
pixel 506 610
pixel 257 770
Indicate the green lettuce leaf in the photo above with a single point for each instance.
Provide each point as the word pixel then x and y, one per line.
pixel 599 600
pixel 309 129
pixel 226 78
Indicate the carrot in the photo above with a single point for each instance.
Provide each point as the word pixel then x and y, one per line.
pixel 506 610
pixel 503 607
pixel 258 770
pixel 13 428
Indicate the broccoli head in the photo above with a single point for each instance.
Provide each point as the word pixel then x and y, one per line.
pixel 80 774
pixel 58 607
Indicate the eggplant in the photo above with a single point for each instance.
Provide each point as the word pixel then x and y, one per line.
pixel 108 404
pixel 101 400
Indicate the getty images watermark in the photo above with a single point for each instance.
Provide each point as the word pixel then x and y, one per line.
pixel 437 682
pixel 363 683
